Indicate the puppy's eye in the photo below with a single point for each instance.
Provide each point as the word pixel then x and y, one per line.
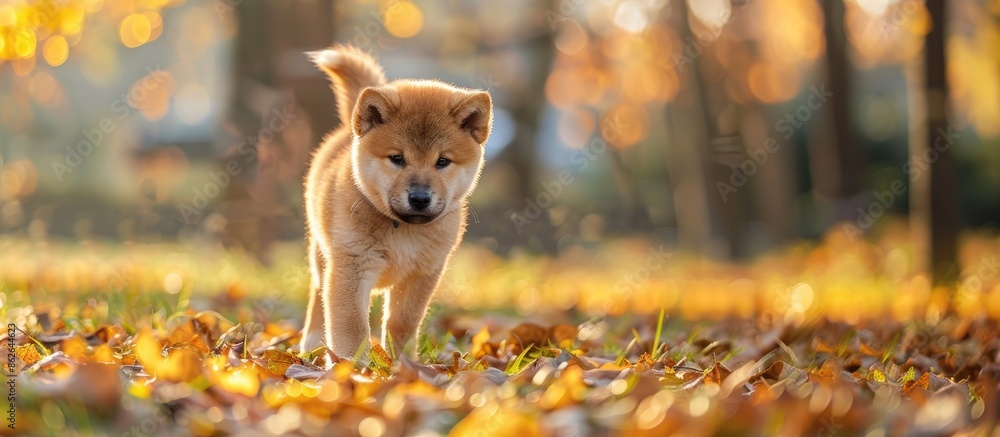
pixel 397 159
pixel 443 162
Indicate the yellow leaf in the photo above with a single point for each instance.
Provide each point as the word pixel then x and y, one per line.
pixel 243 380
pixel 380 358
pixel 342 372
pixel 503 422
pixel 187 335
pixel 478 340
pixel 104 354
pixel 566 390
pixel 910 375
pixel 75 348
pixel 877 376
pixel 27 353
pixel 180 365
pixel 141 390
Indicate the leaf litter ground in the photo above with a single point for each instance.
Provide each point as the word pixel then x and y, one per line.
pixel 790 345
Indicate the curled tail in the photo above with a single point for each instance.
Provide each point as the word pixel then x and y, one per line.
pixel 351 70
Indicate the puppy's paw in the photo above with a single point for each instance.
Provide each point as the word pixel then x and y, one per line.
pixel 310 341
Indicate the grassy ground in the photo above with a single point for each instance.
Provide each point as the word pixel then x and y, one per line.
pixel 837 338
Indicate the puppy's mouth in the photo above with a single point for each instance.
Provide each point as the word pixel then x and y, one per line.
pixel 415 219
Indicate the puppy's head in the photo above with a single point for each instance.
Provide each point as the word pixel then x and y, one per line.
pixel 418 147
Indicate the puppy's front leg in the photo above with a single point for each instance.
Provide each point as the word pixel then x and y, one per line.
pixel 348 295
pixel 314 331
pixel 405 309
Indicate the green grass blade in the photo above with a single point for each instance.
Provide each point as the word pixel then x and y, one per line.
pixel 659 330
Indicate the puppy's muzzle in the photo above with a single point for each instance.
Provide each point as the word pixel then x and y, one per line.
pixel 420 206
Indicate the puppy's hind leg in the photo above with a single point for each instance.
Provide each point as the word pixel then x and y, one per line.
pixel 314 331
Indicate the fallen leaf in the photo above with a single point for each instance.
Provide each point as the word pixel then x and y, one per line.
pixel 277 362
pixel 27 353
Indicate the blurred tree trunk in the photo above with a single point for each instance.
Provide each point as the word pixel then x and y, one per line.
pixel 693 171
pixel 526 108
pixel 275 80
pixel 933 179
pixel 634 214
pixel 838 160
pixel 718 146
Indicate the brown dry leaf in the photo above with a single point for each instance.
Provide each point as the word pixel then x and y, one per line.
pixel 920 383
pixel 868 350
pixel 773 371
pixel 110 334
pixel 528 334
pixel 277 362
pixel 564 335
pixel 762 393
pixel 823 347
pixel 716 374
pixel 186 335
pixel 829 371
pixel 95 385
pixel 299 371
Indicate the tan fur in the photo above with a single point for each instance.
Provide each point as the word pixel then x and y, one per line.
pixel 363 231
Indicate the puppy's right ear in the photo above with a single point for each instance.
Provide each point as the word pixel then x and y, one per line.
pixel 372 110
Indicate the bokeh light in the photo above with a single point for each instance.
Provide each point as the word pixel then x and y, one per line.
pixel 404 19
pixel 135 30
pixel 56 50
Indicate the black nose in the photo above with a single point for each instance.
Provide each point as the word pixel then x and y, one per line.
pixel 420 199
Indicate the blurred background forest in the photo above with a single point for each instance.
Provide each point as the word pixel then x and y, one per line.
pixel 723 128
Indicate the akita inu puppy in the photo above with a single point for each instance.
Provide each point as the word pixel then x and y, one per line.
pixel 386 199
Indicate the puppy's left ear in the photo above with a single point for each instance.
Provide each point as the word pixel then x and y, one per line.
pixel 475 115
pixel 372 110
